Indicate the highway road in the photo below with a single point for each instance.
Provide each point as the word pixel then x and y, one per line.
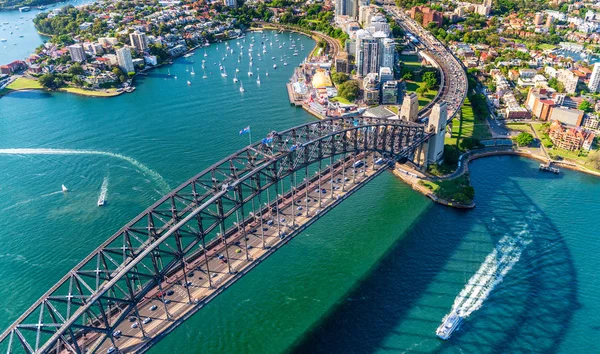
pixel 205 276
pixel 453 85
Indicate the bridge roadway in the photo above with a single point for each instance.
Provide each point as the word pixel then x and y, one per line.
pixel 453 85
pixel 207 279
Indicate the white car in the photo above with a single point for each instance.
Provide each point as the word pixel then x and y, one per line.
pixel 147 320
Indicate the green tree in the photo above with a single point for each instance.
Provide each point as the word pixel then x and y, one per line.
pixel 524 139
pixel 76 69
pixel 586 106
pixel 430 80
pixel 339 78
pixel 407 75
pixel 51 81
pixel 349 90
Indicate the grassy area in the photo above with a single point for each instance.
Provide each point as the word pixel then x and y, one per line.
pixel 425 98
pixel 468 127
pixel 21 83
pixel 411 62
pixel 392 108
pixel 545 46
pixel 340 99
pixel 520 127
pixel 455 190
pixel 542 132
pixel 93 93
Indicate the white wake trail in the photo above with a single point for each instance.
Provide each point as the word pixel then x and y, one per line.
pixel 491 272
pixel 157 177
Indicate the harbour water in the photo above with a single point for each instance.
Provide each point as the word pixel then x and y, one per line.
pixel 21 24
pixel 377 274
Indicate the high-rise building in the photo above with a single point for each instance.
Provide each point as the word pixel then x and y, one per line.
pixel 124 59
pixel 388 52
pixel 594 83
pixel 437 121
pixel 341 62
pixel 568 79
pixel 367 53
pixel 409 110
pixel 371 89
pixel 139 41
pixel 389 92
pixel 346 8
pixel 538 19
pixel 364 13
pixel 385 74
pixel 77 53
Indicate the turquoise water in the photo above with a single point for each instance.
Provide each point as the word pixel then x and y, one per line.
pixel 377 274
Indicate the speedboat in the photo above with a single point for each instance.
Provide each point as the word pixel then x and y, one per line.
pixel 449 324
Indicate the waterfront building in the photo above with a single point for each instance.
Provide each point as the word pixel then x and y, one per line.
pixel 437 123
pixel 77 53
pixel 389 92
pixel 568 79
pixel 367 53
pixel 566 115
pixel 594 83
pixel 139 41
pixel 569 138
pixel 124 60
pixel 229 3
pixel 539 103
pixel 151 60
pixel 371 89
pixel 409 110
pixel 388 52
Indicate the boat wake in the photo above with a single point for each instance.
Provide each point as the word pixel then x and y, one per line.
pixel 155 175
pixel 492 272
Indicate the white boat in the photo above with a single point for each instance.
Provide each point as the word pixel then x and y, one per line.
pixel 224 73
pixel 189 82
pixel 250 73
pixel 204 76
pixel 188 55
pixel 3 39
pixel 267 73
pixel 242 87
pixel 192 72
pixel 235 79
pixel 168 72
pixel 449 324
pixel 274 66
pixel 64 189
pixel 258 79
pixel 205 55
pixel 272 58
pixel 237 70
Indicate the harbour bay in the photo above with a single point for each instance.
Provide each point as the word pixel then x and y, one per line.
pixel 375 275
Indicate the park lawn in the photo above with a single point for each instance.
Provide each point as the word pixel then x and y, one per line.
pixel 21 83
pixel 520 127
pixel 424 99
pixel 340 99
pixel 411 62
pixel 545 46
pixel 540 130
pixel 392 108
pixel 92 93
pixel 448 189
pixel 469 126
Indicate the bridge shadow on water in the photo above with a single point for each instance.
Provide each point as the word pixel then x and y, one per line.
pixel 530 310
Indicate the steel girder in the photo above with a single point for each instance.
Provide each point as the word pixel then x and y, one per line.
pixel 105 288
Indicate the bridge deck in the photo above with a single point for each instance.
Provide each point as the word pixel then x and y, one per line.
pixel 310 203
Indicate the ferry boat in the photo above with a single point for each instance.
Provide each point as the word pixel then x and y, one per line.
pixel 102 198
pixel 449 325
pixel 188 55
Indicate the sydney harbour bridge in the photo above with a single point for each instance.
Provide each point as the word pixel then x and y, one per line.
pixel 196 241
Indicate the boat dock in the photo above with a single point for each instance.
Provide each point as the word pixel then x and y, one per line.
pixel 290 91
pixel 547 167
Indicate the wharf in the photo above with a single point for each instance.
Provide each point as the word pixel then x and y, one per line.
pixel 547 167
pixel 290 91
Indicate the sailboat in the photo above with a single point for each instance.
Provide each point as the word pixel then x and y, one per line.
pixel 192 72
pixel 250 73
pixel 169 72
pixel 224 73
pixel 189 82
pixel 267 73
pixel 235 79
pixel 220 66
pixel 258 79
pixel 64 189
pixel 242 87
pixel 205 55
pixel 204 76
pixel 237 70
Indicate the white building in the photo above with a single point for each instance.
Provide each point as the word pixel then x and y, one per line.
pixel 77 53
pixel 388 52
pixel 124 60
pixel 139 41
pixel 594 83
pixel 367 53
pixel 568 79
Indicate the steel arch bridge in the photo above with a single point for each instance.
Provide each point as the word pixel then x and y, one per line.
pixel 237 202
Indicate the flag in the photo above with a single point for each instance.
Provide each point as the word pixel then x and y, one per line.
pixel 245 130
pixel 267 140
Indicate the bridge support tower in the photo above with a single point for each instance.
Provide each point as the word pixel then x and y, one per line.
pixel 433 151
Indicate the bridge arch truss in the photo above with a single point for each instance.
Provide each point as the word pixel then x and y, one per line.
pixel 131 266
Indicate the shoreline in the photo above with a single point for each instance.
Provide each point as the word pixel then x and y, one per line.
pixel 413 182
